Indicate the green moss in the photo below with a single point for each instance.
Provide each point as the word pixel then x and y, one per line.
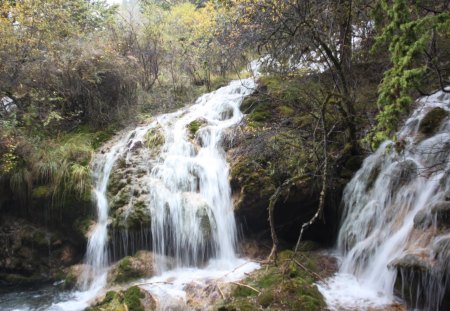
pixel 242 291
pixel 265 298
pixel 41 192
pixel 82 225
pixel 113 301
pixel 259 116
pixel 282 287
pixel 286 111
pixel 125 272
pixel 70 281
pixel 432 120
pixel 132 298
pixel 154 138
pixel 194 126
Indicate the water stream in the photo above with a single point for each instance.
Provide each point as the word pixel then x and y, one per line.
pixel 390 222
pixel 187 195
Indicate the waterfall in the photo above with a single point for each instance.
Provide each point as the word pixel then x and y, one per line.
pixel 394 218
pixel 174 171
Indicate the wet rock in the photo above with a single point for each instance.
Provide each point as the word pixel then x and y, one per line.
pixel 411 262
pixel 442 212
pixel 32 254
pixel 422 220
pixel 132 267
pixel 432 121
pixel 447 196
pixel 154 138
pixel 194 126
pixel 131 299
pixel 402 173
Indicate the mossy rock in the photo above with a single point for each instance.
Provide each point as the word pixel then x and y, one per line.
pixel 154 138
pixel 432 120
pixel 132 298
pixel 129 300
pixel 134 217
pixel 194 126
pixel 83 224
pixel 131 268
pixel 373 176
pixel 282 287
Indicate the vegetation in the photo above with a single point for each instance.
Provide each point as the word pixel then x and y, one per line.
pixel 288 286
pixel 340 76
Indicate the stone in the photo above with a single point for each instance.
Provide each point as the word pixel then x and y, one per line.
pixel 422 220
pixel 442 212
pixel 132 267
pixel 432 120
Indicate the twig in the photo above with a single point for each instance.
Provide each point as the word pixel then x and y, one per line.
pixel 154 283
pixel 248 286
pixel 220 291
pixel 307 270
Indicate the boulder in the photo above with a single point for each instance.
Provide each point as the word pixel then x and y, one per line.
pixel 132 267
pixel 431 122
pixel 442 212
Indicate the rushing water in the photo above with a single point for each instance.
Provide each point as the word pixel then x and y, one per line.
pixel 390 223
pixel 189 200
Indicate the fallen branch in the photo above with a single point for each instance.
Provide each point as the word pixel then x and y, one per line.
pixel 307 270
pixel 220 291
pixel 154 283
pixel 248 286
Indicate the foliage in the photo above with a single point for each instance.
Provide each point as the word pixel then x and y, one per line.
pixel 414 37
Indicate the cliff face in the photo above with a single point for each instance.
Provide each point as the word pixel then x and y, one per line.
pixel 274 143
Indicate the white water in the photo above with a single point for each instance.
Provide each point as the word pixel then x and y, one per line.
pixel 189 191
pixel 378 219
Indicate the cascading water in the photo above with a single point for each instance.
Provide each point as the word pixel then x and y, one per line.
pixel 395 219
pixel 178 176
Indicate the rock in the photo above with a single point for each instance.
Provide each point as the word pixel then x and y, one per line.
pixel 32 254
pixel 432 120
pixel 194 126
pixel 442 212
pixel 130 299
pixel 402 173
pixel 132 267
pixel 154 138
pixel 422 220
pixel 447 196
pixel 411 262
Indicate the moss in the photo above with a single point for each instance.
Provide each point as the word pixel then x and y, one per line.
pixel 125 271
pixel 194 126
pixel 70 281
pixel 432 120
pixel 303 121
pixel 132 298
pixel 41 192
pixel 265 298
pixel 282 287
pixel 259 116
pixel 373 176
pixel 113 301
pixel 154 138
pixel 285 111
pixel 82 225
